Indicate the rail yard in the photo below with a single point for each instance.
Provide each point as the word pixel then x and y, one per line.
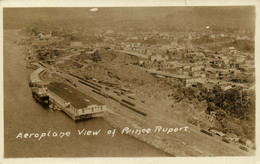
pixel 123 111
pixel 201 79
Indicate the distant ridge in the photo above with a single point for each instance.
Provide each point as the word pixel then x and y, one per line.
pixel 242 16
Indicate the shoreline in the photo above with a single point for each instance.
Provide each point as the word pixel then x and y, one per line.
pixel 165 143
pixel 25 62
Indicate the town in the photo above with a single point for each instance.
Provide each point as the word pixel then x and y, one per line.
pixel 201 77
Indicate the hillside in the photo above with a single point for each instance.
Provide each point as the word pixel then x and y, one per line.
pixel 177 17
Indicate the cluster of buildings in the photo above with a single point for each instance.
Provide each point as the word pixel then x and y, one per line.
pixel 165 54
pixel 206 66
pixel 174 53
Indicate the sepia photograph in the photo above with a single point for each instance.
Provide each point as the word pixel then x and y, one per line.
pixel 160 81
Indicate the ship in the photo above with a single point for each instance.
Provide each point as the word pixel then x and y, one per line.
pixel 40 95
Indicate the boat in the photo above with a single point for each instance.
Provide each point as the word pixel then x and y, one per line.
pixel 39 94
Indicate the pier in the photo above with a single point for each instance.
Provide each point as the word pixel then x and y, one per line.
pixel 61 96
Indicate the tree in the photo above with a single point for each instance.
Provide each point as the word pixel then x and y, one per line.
pixel 95 57
pixel 222 117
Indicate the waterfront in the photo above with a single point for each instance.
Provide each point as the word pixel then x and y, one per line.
pixel 185 89
pixel 22 114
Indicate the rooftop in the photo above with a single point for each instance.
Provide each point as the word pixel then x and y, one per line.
pixel 76 98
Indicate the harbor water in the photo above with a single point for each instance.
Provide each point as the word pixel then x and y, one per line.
pixel 23 115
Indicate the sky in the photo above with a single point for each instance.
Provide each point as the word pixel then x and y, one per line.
pixel 223 16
